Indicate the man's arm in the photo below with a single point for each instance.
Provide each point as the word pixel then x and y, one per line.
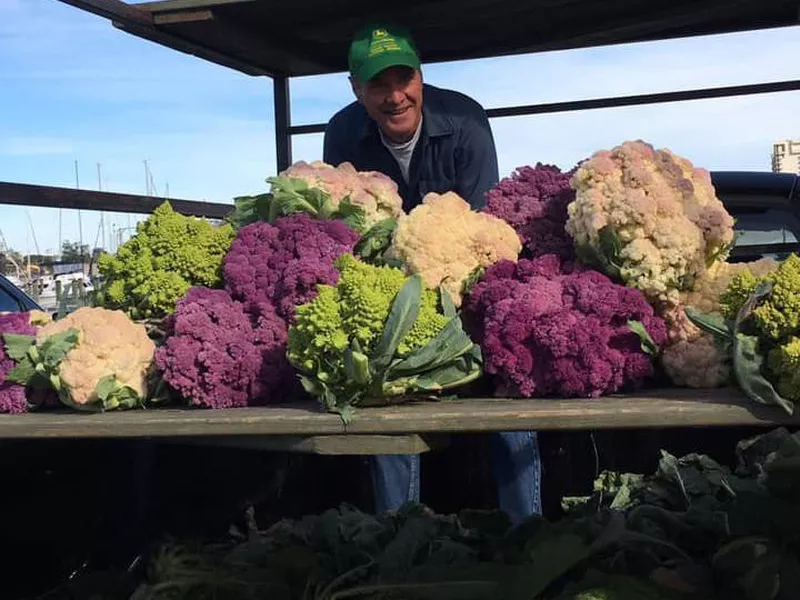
pixel 476 163
pixel 334 145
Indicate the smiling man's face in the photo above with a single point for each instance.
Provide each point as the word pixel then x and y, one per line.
pixel 393 98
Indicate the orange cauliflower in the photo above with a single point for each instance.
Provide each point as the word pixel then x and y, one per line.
pixel 649 218
pixel 375 193
pixel 444 241
pixel 108 345
pixel 692 358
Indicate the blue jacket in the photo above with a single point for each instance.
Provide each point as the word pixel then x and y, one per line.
pixel 455 152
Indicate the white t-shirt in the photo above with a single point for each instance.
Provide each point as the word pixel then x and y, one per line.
pixel 404 151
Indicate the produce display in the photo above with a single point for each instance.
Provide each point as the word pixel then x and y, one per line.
pixel 443 241
pixel 361 198
pixel 12 394
pixel 549 330
pixel 222 353
pixel 169 253
pixel 758 326
pixel 93 358
pixel 601 279
pixel 534 201
pixel 693 529
pixel 282 263
pixel 378 335
pixel 648 217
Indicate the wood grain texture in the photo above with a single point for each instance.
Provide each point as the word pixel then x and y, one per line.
pixel 653 408
pixel 358 444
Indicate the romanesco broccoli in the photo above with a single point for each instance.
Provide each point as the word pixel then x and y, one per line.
pixel 357 309
pixel 779 314
pixel 377 334
pixel 168 254
pixel 784 361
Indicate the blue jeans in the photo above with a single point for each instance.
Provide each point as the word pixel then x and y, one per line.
pixel 517 469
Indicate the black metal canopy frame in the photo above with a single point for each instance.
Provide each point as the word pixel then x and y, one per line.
pixel 281 39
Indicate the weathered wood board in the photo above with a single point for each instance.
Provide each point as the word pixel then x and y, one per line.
pixel 359 444
pixel 648 409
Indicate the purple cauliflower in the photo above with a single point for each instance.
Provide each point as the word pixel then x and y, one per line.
pixel 222 353
pixel 533 200
pixel 12 395
pixel 283 262
pixel 549 330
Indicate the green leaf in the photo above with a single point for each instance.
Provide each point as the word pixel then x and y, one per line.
pixel 23 373
pixel 450 343
pixel 461 371
pixel 610 250
pixel 551 555
pixel 474 277
pixel 402 316
pixel 647 344
pixel 713 323
pixel 352 214
pixel 250 209
pixel 56 347
pixel 17 345
pixel 448 307
pixel 761 291
pixel 123 397
pixel 748 363
pixel 374 243
pixel 106 386
pixel 357 367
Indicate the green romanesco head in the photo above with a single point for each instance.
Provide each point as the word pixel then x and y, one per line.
pixel 779 314
pixel 784 362
pixel 168 254
pixel 356 308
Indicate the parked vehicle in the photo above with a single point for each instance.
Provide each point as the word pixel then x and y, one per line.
pixel 766 207
pixel 13 299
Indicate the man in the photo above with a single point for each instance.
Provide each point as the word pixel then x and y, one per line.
pixel 427 140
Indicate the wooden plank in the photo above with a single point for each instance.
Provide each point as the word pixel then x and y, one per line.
pixel 335 445
pixel 184 16
pixel 57 197
pixel 654 408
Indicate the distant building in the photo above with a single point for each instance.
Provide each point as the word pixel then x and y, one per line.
pixel 786 157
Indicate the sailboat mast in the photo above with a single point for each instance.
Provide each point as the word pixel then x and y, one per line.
pixel 80 220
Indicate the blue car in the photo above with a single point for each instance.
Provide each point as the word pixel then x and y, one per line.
pixel 13 299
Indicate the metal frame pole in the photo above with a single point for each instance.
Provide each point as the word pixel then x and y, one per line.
pixel 283 122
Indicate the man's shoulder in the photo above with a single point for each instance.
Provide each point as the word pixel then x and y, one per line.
pixel 348 119
pixel 457 107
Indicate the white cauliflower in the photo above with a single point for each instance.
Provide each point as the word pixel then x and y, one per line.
pixel 445 242
pixel 375 193
pixel 110 349
pixel 649 217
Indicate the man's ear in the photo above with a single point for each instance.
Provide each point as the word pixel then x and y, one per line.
pixel 355 85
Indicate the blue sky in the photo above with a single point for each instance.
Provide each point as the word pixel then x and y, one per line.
pixel 72 87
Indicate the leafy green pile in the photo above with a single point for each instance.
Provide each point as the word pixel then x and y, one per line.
pixel 693 530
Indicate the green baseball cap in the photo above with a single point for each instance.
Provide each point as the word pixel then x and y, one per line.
pixel 378 47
